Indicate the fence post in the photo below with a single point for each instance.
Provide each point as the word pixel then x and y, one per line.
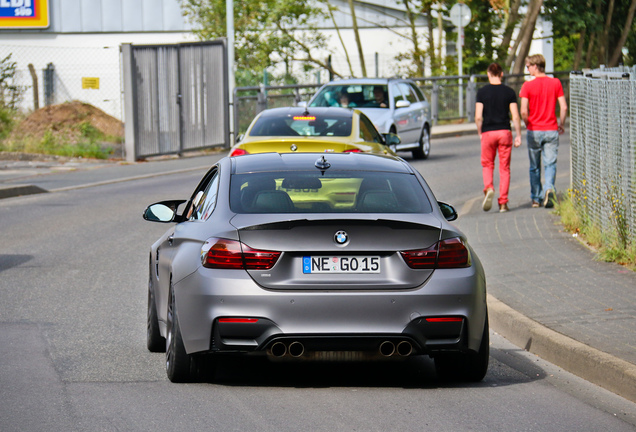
pixel 36 95
pixel 49 84
pixel 261 99
pixel 435 103
pixel 471 97
pixel 130 117
pixel 297 97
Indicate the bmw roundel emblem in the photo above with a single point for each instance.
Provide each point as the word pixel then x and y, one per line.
pixel 293 147
pixel 341 237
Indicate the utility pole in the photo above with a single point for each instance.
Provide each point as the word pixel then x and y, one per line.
pixel 229 19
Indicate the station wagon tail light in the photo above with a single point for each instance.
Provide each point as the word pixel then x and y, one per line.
pixel 238 152
pixel 449 253
pixel 231 254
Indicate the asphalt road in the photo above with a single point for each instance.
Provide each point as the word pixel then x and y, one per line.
pixel 72 330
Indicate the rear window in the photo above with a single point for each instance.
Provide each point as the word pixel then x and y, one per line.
pixel 333 192
pixel 303 125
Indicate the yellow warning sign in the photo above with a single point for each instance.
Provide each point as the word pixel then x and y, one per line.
pixel 90 83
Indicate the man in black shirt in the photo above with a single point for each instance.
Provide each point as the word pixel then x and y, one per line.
pixel 495 103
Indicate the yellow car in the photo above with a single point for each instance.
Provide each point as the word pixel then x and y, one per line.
pixel 299 129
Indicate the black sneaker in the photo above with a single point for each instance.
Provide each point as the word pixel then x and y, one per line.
pixel 550 199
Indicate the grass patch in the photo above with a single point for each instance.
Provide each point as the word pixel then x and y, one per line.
pixel 80 141
pixel 612 246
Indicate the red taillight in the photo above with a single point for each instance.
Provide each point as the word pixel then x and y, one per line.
pixel 449 253
pixel 259 259
pixel 355 150
pixel 238 152
pixel 422 258
pixel 453 253
pixel 444 319
pixel 231 254
pixel 238 320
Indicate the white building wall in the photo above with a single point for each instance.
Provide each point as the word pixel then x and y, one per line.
pixel 75 57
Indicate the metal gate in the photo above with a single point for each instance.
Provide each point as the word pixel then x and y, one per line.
pixel 175 98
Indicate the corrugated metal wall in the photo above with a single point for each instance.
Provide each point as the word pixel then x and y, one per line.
pixel 176 98
pixel 96 16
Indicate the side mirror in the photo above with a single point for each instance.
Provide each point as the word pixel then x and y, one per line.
pixel 165 211
pixel 448 211
pixel 391 139
pixel 402 104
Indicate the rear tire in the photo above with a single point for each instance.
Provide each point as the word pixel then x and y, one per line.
pixel 471 367
pixel 180 366
pixel 424 149
pixel 154 340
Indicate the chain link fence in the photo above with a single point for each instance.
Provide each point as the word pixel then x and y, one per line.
pixel 53 74
pixel 452 98
pixel 603 146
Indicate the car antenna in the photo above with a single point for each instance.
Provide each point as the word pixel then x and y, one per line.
pixel 322 164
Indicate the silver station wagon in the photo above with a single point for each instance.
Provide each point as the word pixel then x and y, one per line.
pixel 394 105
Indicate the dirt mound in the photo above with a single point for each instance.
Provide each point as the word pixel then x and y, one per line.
pixel 69 120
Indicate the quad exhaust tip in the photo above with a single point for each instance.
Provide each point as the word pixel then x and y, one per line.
pixel 295 349
pixel 279 349
pixel 405 348
pixel 388 348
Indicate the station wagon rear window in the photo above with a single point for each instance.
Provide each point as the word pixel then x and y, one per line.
pixel 331 192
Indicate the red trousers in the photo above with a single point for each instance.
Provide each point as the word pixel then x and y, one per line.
pixel 491 143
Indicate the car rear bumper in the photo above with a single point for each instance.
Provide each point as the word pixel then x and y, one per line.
pixel 419 337
pixel 255 319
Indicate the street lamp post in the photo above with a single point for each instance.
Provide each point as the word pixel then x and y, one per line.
pixel 229 20
pixel 460 16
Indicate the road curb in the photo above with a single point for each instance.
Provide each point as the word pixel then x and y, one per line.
pixel 452 134
pixel 14 191
pixel 598 367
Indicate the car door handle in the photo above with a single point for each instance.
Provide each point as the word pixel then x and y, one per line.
pixel 170 240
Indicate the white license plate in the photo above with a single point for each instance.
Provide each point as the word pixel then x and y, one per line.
pixel 341 264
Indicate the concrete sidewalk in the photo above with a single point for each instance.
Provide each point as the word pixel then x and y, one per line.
pixel 547 294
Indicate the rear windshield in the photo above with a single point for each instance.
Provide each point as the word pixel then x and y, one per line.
pixel 333 192
pixel 303 125
pixel 352 96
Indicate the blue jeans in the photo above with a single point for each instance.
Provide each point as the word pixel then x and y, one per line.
pixel 542 145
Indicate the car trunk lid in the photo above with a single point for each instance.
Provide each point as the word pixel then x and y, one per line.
pixel 357 253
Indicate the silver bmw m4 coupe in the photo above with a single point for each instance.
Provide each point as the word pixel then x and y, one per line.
pixel 314 256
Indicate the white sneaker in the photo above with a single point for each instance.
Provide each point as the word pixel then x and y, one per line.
pixel 487 204
pixel 550 199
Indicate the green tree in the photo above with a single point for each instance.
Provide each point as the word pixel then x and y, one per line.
pixel 480 48
pixel 265 34
pixel 10 95
pixel 594 30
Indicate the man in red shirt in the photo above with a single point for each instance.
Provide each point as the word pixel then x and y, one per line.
pixel 538 110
